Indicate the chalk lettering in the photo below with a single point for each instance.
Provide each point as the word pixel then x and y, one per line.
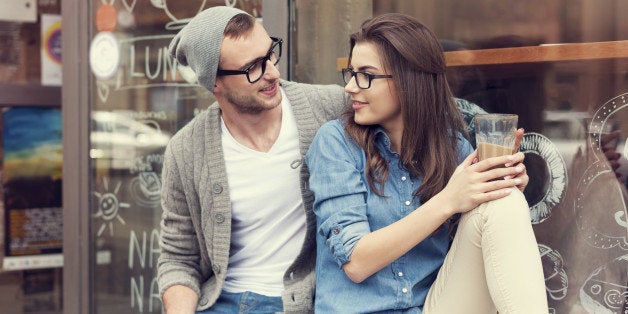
pixel 157 68
pixel 155 250
pixel 137 293
pixel 135 245
pixel 139 249
pixel 154 295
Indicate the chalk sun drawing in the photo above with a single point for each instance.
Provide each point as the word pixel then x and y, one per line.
pixel 538 144
pixel 108 207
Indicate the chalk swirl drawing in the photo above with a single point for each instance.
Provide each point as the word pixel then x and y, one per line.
pixel 598 295
pixel 538 144
pixel 603 116
pixel 556 281
pixel 600 209
pixel 146 189
pixel 599 205
pixel 108 207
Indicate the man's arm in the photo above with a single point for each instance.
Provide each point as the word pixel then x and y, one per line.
pixel 180 299
pixel 178 271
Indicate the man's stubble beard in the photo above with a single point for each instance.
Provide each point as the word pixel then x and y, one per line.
pixel 248 104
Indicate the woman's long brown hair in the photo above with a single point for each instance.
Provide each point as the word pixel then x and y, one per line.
pixel 412 54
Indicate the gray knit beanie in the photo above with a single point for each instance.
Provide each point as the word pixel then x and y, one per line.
pixel 197 45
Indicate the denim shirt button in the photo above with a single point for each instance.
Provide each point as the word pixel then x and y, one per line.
pixel 336 231
pixel 403 178
pixel 400 274
pixel 407 202
pixel 404 290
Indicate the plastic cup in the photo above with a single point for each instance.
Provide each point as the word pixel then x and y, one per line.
pixel 495 134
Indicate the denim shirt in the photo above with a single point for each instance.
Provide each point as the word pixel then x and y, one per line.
pixel 347 209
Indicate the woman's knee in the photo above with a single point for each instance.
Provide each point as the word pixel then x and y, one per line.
pixel 512 207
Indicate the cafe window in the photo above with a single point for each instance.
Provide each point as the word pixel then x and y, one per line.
pixel 561 65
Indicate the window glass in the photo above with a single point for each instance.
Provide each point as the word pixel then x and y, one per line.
pixel 140 100
pixel 561 66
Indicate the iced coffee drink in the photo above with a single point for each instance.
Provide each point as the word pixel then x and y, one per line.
pixel 495 134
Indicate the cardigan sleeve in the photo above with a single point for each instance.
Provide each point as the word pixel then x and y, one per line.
pixel 178 263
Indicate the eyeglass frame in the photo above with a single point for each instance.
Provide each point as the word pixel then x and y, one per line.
pixel 264 59
pixel 370 76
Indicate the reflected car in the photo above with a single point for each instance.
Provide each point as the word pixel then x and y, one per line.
pixel 120 142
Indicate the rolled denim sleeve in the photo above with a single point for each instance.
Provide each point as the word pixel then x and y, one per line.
pixel 336 179
pixel 464 148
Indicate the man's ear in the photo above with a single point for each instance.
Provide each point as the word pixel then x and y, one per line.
pixel 216 89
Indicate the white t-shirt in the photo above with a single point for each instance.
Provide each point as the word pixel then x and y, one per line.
pixel 268 218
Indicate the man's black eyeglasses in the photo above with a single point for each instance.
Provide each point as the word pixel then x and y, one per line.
pixel 257 68
pixel 362 79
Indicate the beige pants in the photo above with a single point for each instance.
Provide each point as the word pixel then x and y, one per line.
pixel 493 264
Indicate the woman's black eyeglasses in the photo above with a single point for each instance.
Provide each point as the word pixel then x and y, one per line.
pixel 362 79
pixel 257 68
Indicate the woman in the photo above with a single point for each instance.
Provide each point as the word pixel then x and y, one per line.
pixel 389 180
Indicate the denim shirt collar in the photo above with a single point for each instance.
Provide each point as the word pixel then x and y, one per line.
pixel 382 141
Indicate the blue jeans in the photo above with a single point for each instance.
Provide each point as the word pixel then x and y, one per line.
pixel 245 303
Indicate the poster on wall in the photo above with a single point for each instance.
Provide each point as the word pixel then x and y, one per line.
pixel 32 186
pixel 51 50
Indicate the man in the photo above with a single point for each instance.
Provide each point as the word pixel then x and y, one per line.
pixel 237 231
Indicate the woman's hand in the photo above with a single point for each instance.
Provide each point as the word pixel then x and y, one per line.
pixel 474 183
pixel 523 175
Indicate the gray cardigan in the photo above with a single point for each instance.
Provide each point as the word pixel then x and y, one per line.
pixel 196 219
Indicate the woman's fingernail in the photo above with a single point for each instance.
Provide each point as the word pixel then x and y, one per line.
pixel 508 164
pixel 517 181
pixel 519 169
pixel 507 177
